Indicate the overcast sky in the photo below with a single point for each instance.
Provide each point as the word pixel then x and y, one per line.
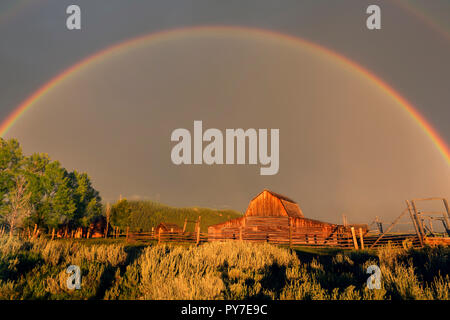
pixel 410 53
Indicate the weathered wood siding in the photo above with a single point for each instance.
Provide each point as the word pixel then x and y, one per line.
pixel 271 215
pixel 310 224
pixel 267 224
pixel 266 205
pixel 230 224
pixel 275 223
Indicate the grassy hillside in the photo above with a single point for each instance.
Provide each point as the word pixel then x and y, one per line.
pixel 229 270
pixel 143 215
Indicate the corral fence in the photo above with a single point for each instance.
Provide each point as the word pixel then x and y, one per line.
pixel 283 233
pixel 356 240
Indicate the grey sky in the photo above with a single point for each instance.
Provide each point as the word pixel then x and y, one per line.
pixel 406 53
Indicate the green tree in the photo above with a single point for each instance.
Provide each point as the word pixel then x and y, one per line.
pixel 59 196
pixel 15 189
pixel 120 213
pixel 87 200
pixel 36 166
pixel 11 159
pixel 36 190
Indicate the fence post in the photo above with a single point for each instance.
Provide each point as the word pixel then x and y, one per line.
pixel 290 233
pixel 128 228
pixel 108 215
pixel 198 233
pixel 361 237
pixel 198 230
pixel 355 242
pixel 53 233
pixel 419 221
pixel 447 216
pixel 159 236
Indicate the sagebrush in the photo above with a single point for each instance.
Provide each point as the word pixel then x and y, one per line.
pixel 221 270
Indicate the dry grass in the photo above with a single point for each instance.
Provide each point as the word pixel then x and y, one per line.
pixel 227 270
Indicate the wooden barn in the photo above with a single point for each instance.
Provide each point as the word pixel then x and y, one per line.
pixel 168 227
pixel 273 217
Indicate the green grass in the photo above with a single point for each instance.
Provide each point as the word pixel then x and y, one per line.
pixel 113 269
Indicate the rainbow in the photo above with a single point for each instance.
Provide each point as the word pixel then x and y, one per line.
pixel 169 34
pixel 12 11
pixel 419 13
pixel 19 6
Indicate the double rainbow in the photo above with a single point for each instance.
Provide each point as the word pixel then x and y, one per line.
pixel 169 34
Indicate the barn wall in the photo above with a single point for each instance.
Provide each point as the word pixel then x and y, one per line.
pixel 267 224
pixel 233 223
pixel 266 216
pixel 266 205
pixel 304 223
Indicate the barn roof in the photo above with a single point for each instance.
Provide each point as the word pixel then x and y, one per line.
pixel 279 196
pixel 167 226
pixel 290 206
pixel 292 209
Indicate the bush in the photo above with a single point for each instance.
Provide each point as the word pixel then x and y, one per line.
pixel 218 270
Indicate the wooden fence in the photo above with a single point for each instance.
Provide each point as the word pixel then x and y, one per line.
pixel 355 240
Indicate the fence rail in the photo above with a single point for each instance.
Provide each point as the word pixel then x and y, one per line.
pixel 343 241
pixel 355 240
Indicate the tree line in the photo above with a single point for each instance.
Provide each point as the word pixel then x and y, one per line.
pixel 36 190
pixel 140 215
